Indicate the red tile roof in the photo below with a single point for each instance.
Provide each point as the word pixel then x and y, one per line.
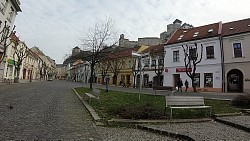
pixel 14 37
pixel 183 35
pixel 154 49
pixel 236 27
pixel 122 53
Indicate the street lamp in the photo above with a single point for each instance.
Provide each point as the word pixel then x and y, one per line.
pixel 139 56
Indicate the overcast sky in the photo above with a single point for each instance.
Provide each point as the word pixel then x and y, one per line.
pixel 56 26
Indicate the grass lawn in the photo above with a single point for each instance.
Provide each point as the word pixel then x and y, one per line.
pixel 115 104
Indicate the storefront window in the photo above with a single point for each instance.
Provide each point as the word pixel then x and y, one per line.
pixel 208 82
pixel 197 80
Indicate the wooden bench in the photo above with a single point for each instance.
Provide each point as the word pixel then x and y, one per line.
pixel 95 93
pixel 185 102
pixel 169 89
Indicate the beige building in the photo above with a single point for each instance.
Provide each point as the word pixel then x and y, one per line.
pixel 236 41
pixel 48 68
pixel 61 71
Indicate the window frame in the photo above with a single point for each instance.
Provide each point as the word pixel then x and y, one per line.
pixel 210 52
pixel 206 76
pixel 234 49
pixel 176 56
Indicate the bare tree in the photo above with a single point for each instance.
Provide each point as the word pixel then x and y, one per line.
pixel 116 65
pixel 158 68
pixel 5 34
pixel 95 40
pixel 104 66
pixel 21 52
pixel 191 59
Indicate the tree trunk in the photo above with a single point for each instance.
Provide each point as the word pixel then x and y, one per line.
pixel 193 85
pixel 91 76
pixel 16 79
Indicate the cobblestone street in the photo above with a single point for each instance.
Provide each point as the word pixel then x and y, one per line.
pixel 44 111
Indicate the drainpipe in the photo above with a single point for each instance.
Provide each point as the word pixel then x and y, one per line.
pixel 222 63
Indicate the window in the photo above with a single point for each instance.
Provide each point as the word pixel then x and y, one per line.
pixel 129 64
pixel 3 6
pixel 153 62
pixel 197 80
pixel 237 50
pixel 192 53
pixel 176 56
pixel 146 62
pixel 208 82
pixel 210 52
pixel 161 62
pixel 11 13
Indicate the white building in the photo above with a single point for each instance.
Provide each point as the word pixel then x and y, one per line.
pixel 209 71
pixel 8 12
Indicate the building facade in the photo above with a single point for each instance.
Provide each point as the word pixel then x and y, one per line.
pixel 8 12
pixel 208 75
pixel 236 41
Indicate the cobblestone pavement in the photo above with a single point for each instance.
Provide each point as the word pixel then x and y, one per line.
pixel 205 131
pixel 240 120
pixel 129 134
pixel 50 111
pixel 44 111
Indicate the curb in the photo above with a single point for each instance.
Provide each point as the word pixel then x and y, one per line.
pixel 92 112
pixel 130 121
pixel 163 132
pixel 241 127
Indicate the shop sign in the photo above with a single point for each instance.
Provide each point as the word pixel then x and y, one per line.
pixel 11 62
pixel 183 69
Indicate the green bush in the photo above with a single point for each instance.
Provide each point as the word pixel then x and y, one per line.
pixel 242 101
pixel 145 111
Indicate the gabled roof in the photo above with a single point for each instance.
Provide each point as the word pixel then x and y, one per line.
pixel 236 27
pixel 206 31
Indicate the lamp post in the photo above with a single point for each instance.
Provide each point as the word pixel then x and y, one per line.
pixel 139 65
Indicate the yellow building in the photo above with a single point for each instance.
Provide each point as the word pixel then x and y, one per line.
pixel 118 67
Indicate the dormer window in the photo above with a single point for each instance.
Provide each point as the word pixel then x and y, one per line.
pixel 210 31
pixel 185 31
pixel 195 35
pixel 231 28
pixel 248 25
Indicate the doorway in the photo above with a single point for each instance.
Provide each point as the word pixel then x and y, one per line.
pixel 175 79
pixel 235 81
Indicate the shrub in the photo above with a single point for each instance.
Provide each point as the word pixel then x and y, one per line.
pixel 145 111
pixel 242 101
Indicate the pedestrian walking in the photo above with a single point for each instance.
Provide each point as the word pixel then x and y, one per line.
pixel 186 85
pixel 179 84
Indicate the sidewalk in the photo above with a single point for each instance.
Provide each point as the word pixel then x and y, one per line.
pixel 228 128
